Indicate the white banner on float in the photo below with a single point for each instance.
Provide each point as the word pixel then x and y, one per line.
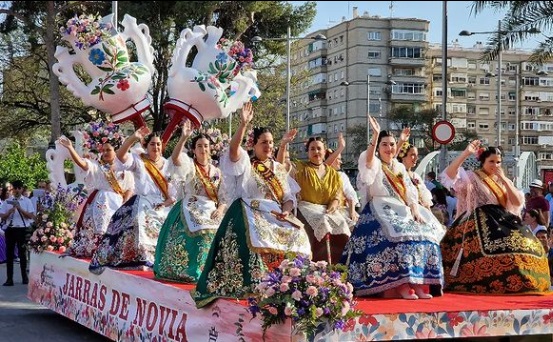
pixel 128 307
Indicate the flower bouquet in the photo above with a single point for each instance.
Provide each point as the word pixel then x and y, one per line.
pixel 54 222
pixel 312 294
pixel 88 30
pixel 96 134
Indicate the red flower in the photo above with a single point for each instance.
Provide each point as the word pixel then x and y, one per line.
pixel 123 84
pixel 367 320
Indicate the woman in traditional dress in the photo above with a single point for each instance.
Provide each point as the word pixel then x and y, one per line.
pixel 188 231
pixel 321 198
pixel 409 155
pixel 258 229
pixel 394 251
pixel 488 249
pixel 133 231
pixel 350 200
pixel 108 189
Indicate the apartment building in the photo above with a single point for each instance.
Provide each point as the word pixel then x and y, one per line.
pixel 383 58
pixel 388 62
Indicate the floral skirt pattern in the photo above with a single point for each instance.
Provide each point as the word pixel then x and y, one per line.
pixel 180 253
pixel 388 249
pixel 131 237
pixel 499 255
pixel 232 268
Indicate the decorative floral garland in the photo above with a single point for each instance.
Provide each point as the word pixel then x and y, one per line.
pixel 96 134
pixel 88 30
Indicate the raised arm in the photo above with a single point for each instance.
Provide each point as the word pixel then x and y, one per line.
pixel 453 168
pixel 130 141
pixel 286 139
pixel 371 148
pixel 246 116
pixel 186 131
pixel 74 155
pixel 334 155
pixel 403 137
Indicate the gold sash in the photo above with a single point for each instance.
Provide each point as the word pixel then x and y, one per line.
pixel 209 187
pixel 156 176
pixel 270 179
pixel 494 187
pixel 396 181
pixel 112 180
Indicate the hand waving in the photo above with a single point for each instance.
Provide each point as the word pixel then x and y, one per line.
pixel 65 142
pixel 141 132
pixel 289 136
pixel 375 125
pixel 473 146
pixel 405 134
pixel 246 114
pixel 187 128
pixel 341 141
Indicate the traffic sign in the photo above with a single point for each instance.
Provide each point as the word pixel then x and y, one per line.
pixel 443 132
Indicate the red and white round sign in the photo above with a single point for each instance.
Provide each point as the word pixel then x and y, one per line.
pixel 443 132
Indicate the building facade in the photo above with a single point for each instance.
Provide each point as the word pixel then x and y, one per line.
pixel 375 63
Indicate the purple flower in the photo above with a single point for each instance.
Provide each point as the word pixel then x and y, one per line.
pixel 301 312
pixel 340 325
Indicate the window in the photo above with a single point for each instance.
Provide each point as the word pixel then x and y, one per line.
pixel 410 35
pixel 374 35
pixel 484 96
pixel 484 80
pixel 471 125
pixel 407 52
pixel 483 126
pixel 375 72
pixel 374 55
pixel 526 140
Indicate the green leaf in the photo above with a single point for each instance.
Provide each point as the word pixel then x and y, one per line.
pixel 107 49
pixel 135 77
pixel 95 91
pixel 202 86
pixel 107 89
pixel 106 69
pixel 217 65
pixel 211 68
pixel 210 85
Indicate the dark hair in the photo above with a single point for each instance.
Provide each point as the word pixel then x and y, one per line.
pixel 257 131
pixel 383 134
pixel 537 215
pixel 431 174
pixel 17 184
pixel 328 152
pixel 149 137
pixel 441 195
pixel 194 140
pixel 311 140
pixel 488 151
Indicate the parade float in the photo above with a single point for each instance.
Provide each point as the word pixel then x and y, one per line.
pixel 130 305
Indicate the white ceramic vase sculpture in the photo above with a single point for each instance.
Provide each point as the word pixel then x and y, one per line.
pixel 118 86
pixel 212 87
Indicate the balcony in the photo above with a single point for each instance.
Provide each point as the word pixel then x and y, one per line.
pixel 419 62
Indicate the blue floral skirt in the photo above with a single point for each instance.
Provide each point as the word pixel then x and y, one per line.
pixel 388 248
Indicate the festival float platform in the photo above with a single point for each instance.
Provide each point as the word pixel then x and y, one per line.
pixel 133 306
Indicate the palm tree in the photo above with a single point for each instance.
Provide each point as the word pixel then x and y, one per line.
pixel 524 19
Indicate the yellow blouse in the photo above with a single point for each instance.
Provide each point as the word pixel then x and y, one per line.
pixel 314 189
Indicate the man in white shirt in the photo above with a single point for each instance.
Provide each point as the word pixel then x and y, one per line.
pixel 18 212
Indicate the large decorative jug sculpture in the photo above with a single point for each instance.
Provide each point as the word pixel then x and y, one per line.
pixel 214 86
pixel 55 159
pixel 117 87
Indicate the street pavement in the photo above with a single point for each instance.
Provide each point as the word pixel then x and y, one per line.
pixel 24 321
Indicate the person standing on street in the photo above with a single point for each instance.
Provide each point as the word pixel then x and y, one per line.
pixel 18 212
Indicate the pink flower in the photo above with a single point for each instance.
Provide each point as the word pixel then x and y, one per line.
pixel 295 272
pixel 296 295
pixel 288 311
pixel 272 310
pixel 319 312
pixel 269 292
pixel 50 248
pixel 312 291
pixel 62 249
pixel 284 287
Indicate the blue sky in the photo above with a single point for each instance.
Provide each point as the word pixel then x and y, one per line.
pixel 330 13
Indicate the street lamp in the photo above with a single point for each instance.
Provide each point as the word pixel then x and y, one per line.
pixel 499 34
pixel 288 39
pixel 368 82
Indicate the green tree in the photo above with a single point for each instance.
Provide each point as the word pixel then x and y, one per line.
pixel 239 20
pixel 15 164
